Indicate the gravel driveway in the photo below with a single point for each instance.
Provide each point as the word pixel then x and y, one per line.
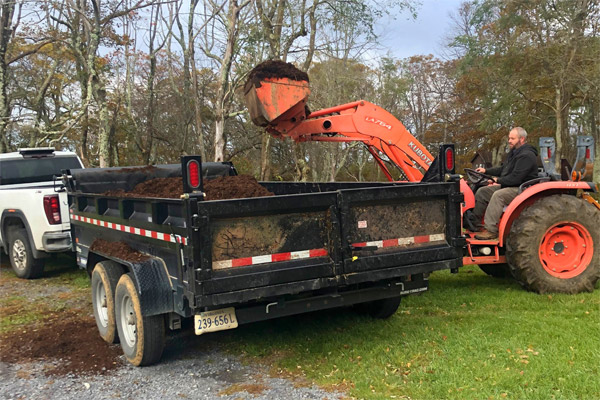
pixel 192 367
pixel 197 376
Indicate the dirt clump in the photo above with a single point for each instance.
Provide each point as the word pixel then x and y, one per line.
pixel 165 188
pixel 275 69
pixel 234 187
pixel 220 188
pixel 67 340
pixel 119 250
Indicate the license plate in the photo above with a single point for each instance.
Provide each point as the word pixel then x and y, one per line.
pixel 215 320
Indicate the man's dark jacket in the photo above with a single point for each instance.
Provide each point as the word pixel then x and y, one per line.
pixel 520 166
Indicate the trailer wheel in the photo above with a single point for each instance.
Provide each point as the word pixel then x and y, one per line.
pixel 554 246
pixel 21 256
pixel 105 276
pixel 142 338
pixel 381 309
pixel 496 270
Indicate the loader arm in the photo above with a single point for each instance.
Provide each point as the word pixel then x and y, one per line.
pixel 280 106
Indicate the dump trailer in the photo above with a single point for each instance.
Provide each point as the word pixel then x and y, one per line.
pixel 155 262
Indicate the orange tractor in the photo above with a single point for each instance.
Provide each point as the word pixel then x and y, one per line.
pixel 549 235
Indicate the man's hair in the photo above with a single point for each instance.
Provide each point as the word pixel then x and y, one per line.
pixel 520 131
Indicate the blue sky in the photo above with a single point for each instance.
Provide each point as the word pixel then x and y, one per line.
pixel 405 37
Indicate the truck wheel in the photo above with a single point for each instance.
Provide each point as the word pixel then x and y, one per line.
pixel 21 256
pixel 496 270
pixel 381 309
pixel 554 246
pixel 142 338
pixel 105 276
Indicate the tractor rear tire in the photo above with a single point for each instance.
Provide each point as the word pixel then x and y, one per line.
pixel 496 270
pixel 554 246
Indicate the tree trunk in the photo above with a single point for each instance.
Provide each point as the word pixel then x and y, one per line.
pixel 8 8
pixel 224 91
pixel 265 152
pixel 219 138
pixel 104 158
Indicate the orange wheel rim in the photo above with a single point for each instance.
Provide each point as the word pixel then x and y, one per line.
pixel 566 250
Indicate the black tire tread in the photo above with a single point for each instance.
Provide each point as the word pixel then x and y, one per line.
pixel 380 309
pixel 35 267
pixel 113 273
pixel 500 271
pixel 152 327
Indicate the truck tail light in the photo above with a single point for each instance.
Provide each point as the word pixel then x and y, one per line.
pixel 193 170
pixel 449 159
pixel 52 209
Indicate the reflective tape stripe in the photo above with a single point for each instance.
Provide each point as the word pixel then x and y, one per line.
pixel 269 258
pixel 402 241
pixel 131 229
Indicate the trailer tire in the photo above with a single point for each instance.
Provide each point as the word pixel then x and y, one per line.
pixel 23 263
pixel 105 277
pixel 554 246
pixel 142 337
pixel 380 309
pixel 496 270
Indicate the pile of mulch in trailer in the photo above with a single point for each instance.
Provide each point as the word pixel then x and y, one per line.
pixel 220 188
pixel 68 341
pixel 118 250
pixel 276 69
pixel 234 187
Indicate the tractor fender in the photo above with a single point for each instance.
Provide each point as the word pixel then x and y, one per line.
pixel 531 195
pixel 468 194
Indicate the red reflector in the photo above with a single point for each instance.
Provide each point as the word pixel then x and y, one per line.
pixel 52 209
pixel 193 174
pixel 549 152
pixel 588 154
pixel 449 159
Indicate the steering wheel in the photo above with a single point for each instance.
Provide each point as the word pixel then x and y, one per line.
pixel 477 178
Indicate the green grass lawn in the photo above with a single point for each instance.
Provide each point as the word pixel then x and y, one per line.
pixel 470 337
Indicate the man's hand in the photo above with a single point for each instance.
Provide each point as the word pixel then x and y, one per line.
pixel 480 170
pixel 493 180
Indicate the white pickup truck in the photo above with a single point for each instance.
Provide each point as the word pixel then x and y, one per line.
pixel 34 213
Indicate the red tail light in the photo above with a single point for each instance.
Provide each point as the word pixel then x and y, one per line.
pixel 588 153
pixel 193 174
pixel 549 153
pixel 449 159
pixel 52 209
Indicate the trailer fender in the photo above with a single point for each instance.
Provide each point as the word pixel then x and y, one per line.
pixel 154 286
pixel 530 195
pixel 151 281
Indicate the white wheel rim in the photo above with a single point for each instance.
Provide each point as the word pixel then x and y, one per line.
pixel 101 304
pixel 19 254
pixel 128 321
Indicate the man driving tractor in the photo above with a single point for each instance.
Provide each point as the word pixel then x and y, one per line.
pixel 520 166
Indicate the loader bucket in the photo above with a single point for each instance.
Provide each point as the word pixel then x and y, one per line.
pixel 273 97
